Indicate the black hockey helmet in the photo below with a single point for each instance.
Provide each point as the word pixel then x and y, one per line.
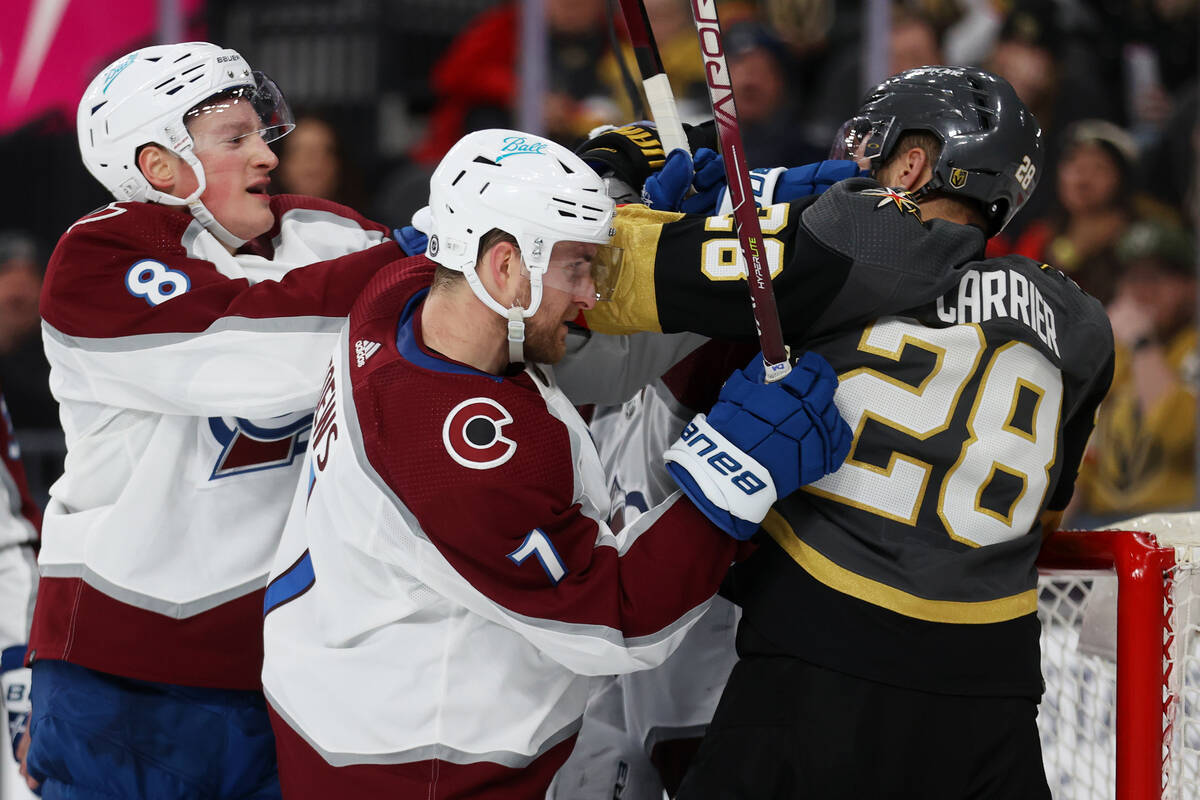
pixel 991 143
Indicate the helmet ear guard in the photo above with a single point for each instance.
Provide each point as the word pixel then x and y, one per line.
pixel 991 144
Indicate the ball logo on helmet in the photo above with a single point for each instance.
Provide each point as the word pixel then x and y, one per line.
pixel 472 434
pixel 117 69
pixel 520 146
pixel 434 246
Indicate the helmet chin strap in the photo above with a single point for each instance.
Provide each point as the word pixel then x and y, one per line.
pixel 202 215
pixel 516 315
pixel 516 335
pixel 194 204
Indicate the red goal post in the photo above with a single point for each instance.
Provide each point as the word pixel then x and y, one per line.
pixel 1120 612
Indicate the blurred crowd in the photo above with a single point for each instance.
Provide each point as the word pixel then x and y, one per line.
pixel 1113 84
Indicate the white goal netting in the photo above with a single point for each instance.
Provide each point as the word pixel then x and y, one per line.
pixel 1077 717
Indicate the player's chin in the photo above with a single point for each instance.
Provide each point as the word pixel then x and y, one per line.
pixel 256 220
pixel 548 349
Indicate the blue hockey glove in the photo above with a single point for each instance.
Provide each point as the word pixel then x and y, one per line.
pixel 15 679
pixel 666 190
pixel 760 442
pixel 779 185
pixel 411 240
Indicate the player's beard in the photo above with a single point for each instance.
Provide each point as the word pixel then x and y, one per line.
pixel 544 341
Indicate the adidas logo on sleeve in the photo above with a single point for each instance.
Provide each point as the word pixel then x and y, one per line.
pixel 364 349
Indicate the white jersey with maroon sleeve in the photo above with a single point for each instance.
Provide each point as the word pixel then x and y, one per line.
pixel 20 520
pixel 186 379
pixel 447 581
pixel 675 700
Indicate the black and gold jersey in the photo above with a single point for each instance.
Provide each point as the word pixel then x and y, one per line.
pixel 971 385
pixel 1143 459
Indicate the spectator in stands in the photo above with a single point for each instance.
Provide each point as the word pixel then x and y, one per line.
pixel 675 35
pixel 823 44
pixel 1054 70
pixel 768 113
pixel 915 41
pixel 24 371
pixel 477 82
pixel 312 161
pixel 1093 209
pixel 823 65
pixel 1141 456
pixel 1168 168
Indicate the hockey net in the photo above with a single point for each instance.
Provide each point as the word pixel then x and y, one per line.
pixel 1120 613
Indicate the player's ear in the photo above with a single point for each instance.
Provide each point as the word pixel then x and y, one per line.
pixel 160 167
pixel 508 267
pixel 914 169
pixel 497 267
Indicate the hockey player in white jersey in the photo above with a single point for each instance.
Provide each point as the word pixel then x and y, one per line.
pixel 20 519
pixel 448 586
pixel 641 728
pixel 187 326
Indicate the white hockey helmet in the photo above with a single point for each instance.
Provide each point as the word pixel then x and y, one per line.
pixel 535 190
pixel 144 97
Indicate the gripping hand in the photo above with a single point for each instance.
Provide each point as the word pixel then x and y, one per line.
pixel 667 190
pixel 413 238
pixel 760 442
pixel 780 185
pixel 626 156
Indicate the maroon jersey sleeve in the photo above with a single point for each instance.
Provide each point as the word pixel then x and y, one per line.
pixel 126 270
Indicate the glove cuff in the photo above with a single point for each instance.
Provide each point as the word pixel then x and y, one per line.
pixel 733 489
pixel 630 153
pixel 763 182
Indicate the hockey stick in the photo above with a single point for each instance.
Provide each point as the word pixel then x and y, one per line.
pixel 745 213
pixel 635 97
pixel 654 77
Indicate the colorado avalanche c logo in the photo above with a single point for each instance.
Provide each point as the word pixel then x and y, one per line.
pixel 472 434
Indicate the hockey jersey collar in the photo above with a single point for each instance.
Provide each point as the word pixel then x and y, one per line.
pixel 408 344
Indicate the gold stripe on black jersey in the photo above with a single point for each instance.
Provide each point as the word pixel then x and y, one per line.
pixel 880 594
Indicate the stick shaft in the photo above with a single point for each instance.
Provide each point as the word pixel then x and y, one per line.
pixel 654 77
pixel 745 213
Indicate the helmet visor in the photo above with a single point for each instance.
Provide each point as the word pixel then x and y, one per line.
pixel 243 111
pixel 584 269
pixel 861 139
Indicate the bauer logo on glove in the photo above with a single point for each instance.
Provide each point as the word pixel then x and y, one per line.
pixel 721 461
pixel 783 435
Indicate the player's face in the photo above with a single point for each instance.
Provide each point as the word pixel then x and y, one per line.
pixel 568 287
pixel 1088 179
pixel 237 164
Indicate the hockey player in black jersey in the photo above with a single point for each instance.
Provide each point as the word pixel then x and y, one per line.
pixel 889 643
